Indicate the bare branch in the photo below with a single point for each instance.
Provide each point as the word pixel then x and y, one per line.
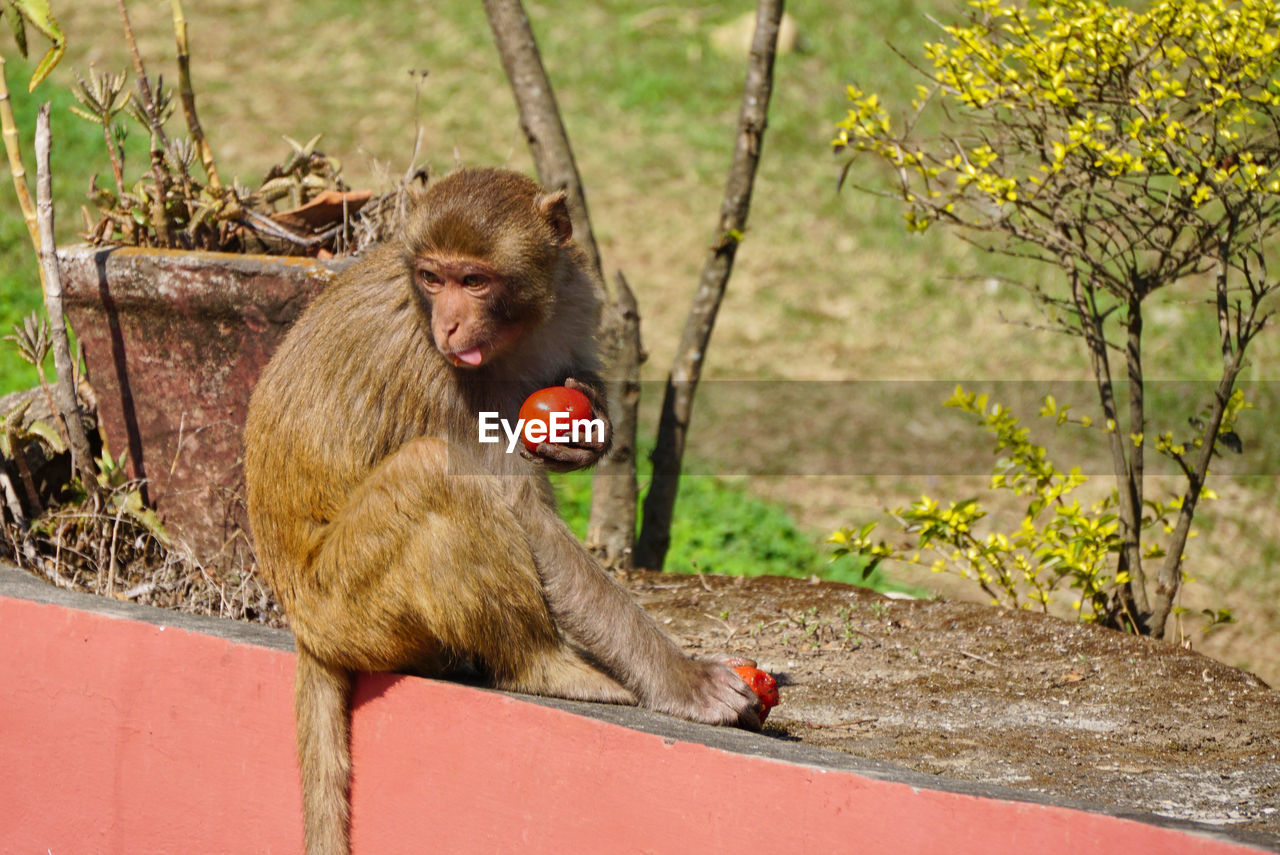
pixel 188 96
pixel 68 403
pixel 13 148
pixel 540 118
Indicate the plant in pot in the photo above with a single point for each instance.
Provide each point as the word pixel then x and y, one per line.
pixel 180 295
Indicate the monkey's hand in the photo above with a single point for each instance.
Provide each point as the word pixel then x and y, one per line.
pixel 709 692
pixel 567 457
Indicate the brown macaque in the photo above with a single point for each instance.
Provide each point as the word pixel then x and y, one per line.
pixel 394 538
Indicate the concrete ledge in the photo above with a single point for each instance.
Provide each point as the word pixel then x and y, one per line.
pixel 127 729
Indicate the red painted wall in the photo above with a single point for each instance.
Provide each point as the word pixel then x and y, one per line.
pixel 118 736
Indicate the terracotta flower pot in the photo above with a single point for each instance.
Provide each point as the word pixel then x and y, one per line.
pixel 173 343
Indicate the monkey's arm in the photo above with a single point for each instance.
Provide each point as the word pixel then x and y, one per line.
pixel 598 613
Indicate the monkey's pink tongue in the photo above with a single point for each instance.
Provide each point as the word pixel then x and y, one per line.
pixel 471 355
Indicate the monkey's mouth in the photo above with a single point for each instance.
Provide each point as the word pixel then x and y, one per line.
pixel 487 350
pixel 471 357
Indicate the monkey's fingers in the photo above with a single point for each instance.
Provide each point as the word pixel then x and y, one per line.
pixel 749 719
pixel 541 460
pixel 718 696
pixel 599 409
pixel 563 458
pixel 748 716
pixel 592 393
pixel 595 446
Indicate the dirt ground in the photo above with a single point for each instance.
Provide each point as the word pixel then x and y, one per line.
pixel 1003 697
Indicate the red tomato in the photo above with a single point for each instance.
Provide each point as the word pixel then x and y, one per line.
pixel 763 684
pixel 539 406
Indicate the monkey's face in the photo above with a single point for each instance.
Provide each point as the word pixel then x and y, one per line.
pixel 485 251
pixel 474 316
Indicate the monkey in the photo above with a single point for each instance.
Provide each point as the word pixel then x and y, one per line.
pixel 393 539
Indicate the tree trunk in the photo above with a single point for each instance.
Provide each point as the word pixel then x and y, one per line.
pixel 1130 516
pixel 611 531
pixel 677 402
pixel 540 118
pixel 1169 577
pixel 1136 488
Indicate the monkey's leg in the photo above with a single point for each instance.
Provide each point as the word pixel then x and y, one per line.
pixel 322 698
pixel 427 561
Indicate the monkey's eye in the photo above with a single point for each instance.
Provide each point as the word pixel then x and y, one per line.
pixel 430 277
pixel 474 282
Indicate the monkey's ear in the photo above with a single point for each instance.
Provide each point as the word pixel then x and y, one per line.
pixel 417 191
pixel 555 210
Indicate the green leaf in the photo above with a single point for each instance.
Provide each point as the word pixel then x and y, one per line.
pixel 84 114
pixel 1217 619
pixel 959 398
pixel 1231 441
pixel 19 30
pixel 38 13
pixel 46 431
pixel 51 58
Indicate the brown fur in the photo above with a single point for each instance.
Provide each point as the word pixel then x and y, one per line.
pixel 393 538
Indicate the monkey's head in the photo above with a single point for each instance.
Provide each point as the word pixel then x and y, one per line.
pixel 485 250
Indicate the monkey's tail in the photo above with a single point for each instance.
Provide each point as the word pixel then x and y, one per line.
pixel 322 698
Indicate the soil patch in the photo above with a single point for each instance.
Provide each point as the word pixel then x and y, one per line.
pixel 1004 697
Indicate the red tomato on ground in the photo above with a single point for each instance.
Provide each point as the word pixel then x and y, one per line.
pixel 539 406
pixel 763 684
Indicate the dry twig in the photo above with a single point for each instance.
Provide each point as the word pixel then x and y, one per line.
pixel 13 148
pixel 68 404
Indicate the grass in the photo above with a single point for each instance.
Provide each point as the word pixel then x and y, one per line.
pixel 827 286
pixel 719 527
